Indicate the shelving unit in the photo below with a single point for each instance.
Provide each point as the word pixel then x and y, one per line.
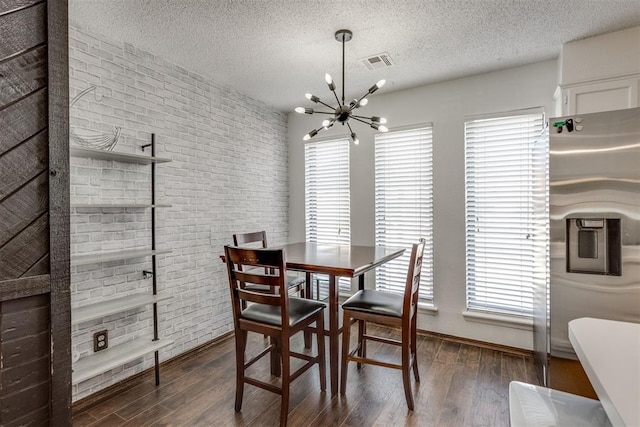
pixel 118 355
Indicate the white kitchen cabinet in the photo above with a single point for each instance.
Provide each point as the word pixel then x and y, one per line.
pixel 598 96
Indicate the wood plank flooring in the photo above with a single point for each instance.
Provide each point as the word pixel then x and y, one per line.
pixel 461 385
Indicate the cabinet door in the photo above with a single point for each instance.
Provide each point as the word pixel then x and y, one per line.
pixel 602 96
pixel 35 372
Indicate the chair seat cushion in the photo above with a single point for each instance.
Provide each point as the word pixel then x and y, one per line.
pixel 299 310
pixel 376 302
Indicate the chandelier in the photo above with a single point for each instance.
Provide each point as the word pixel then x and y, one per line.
pixel 344 112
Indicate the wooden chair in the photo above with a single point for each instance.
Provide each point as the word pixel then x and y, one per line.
pixel 387 309
pixel 259 239
pixel 275 314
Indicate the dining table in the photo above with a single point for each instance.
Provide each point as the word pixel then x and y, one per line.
pixel 609 352
pixel 335 261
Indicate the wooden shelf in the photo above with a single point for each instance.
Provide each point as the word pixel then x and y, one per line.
pixel 105 360
pixel 115 156
pixel 113 306
pixel 95 258
pixel 119 205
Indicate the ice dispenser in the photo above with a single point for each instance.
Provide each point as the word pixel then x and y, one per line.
pixel 594 246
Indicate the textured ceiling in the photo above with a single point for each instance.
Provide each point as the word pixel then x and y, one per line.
pixel 277 50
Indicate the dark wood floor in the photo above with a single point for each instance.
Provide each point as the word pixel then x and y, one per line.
pixel 462 385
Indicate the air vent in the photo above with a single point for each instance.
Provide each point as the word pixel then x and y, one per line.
pixel 375 62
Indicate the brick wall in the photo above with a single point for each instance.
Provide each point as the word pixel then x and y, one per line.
pixel 228 174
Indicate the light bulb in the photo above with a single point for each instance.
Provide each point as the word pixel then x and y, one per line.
pixel 383 120
pixel 326 123
pixel 328 79
pixel 354 138
pixel 312 98
pixel 300 110
pixel 377 86
pixel 378 126
pixel 364 102
pixel 310 135
pixel 377 119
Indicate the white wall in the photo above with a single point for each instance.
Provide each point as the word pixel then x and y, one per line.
pixel 445 105
pixel 228 174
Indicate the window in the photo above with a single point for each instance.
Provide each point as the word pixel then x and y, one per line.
pixel 404 204
pixel 506 171
pixel 327 199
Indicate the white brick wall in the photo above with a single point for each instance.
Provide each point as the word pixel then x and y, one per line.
pixel 228 174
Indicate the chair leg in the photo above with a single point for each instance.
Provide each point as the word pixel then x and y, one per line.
pixel 406 368
pixel 362 341
pixel 346 337
pixel 241 345
pixel 414 348
pixel 276 354
pixel 322 367
pixel 286 378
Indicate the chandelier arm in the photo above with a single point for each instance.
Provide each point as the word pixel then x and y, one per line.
pixel 360 120
pixel 349 126
pixel 325 104
pixel 336 95
pixel 360 117
pixel 324 112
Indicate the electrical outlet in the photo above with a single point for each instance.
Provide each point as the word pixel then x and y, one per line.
pixel 100 340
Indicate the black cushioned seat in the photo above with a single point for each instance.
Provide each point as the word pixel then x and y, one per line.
pixel 299 309
pixel 384 303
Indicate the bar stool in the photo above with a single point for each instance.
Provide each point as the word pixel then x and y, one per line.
pixel 534 406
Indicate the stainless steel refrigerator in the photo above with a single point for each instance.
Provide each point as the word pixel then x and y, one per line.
pixel 594 222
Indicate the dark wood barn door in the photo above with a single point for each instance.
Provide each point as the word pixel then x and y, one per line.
pixel 35 369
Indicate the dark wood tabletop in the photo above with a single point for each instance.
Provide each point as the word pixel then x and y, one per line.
pixel 338 260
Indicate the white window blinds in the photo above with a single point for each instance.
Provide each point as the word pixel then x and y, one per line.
pixel 327 196
pixel 506 170
pixel 404 204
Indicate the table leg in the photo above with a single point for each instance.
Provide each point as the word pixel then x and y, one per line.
pixel 333 333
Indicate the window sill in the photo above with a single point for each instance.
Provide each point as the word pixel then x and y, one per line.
pixel 505 320
pixel 427 309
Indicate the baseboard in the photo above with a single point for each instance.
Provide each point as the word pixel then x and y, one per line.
pixel 483 344
pixel 119 387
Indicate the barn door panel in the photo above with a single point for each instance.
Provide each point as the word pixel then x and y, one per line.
pixel 35 373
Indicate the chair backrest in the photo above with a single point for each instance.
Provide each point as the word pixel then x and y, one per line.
pixel 246 239
pixel 412 287
pixel 241 267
